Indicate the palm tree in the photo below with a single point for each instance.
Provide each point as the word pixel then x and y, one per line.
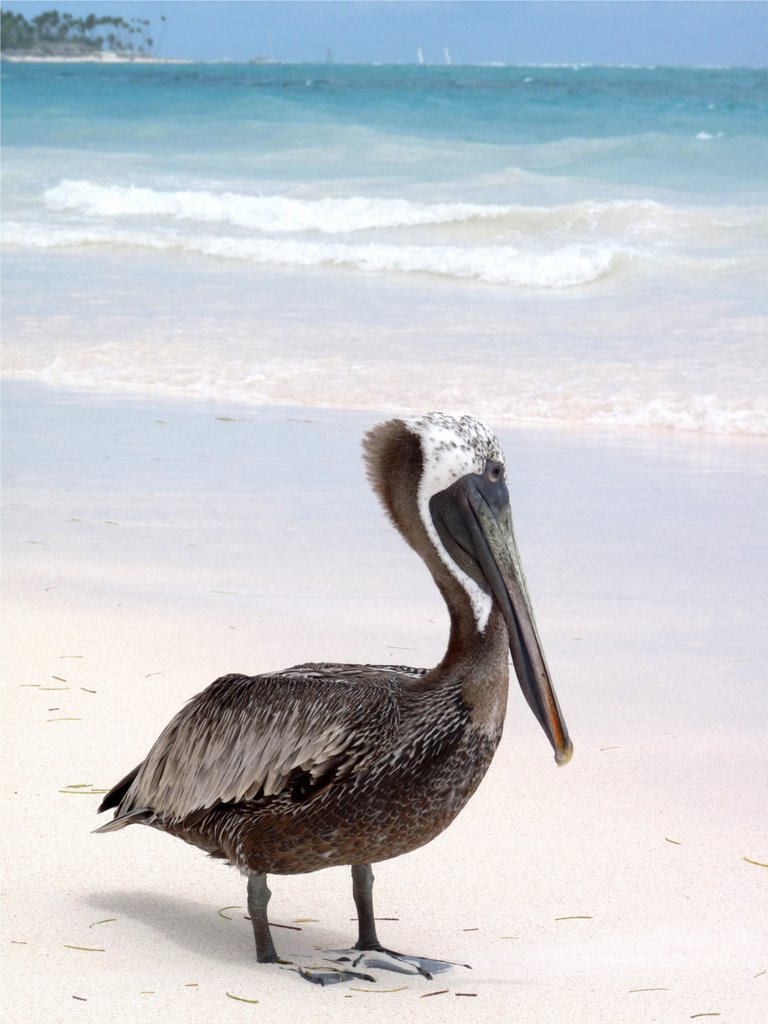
pixel 51 30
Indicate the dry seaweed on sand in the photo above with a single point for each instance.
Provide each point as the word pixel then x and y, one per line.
pixel 86 949
pixel 272 924
pixel 438 992
pixel 757 863
pixel 576 917
pixel 241 999
pixel 226 917
pixel 403 988
pixel 379 919
pixel 83 789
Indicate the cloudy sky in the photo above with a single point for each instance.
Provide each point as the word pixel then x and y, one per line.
pixel 720 32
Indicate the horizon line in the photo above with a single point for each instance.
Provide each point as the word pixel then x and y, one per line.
pixel 110 57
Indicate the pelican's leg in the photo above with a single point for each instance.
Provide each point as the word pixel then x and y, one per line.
pixel 362 886
pixel 362 892
pixel 368 951
pixel 258 898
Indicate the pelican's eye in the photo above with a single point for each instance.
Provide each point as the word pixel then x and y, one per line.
pixel 494 471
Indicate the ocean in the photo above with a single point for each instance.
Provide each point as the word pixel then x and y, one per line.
pixel 579 246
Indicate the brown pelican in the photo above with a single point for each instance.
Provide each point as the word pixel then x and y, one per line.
pixel 321 765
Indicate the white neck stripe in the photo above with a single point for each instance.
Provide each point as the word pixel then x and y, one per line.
pixel 451 448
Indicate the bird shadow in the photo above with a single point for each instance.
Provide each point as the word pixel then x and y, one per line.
pixel 198 928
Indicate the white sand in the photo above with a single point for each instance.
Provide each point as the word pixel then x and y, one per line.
pixel 151 546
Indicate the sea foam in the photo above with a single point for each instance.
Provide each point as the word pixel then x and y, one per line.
pixel 342 215
pixel 334 382
pixel 265 213
pixel 562 267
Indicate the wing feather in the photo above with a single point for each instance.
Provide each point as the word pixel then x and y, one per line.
pixel 245 737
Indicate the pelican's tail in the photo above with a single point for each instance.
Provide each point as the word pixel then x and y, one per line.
pixel 138 814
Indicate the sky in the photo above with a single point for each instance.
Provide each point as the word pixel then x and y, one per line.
pixel 696 32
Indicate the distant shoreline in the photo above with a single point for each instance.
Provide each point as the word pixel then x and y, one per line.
pixel 29 57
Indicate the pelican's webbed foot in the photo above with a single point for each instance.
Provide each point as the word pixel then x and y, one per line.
pixel 405 963
pixel 332 975
pixel 350 961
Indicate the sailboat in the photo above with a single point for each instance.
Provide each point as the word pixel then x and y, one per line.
pixel 420 55
pixel 447 54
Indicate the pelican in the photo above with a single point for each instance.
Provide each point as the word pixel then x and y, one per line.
pixel 322 764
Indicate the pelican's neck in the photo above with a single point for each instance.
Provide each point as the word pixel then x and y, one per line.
pixel 477 660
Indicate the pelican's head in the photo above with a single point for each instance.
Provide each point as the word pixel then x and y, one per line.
pixel 442 479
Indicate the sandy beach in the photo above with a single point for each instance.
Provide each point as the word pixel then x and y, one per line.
pixel 97 57
pixel 152 544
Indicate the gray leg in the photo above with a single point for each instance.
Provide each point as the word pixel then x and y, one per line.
pixel 362 891
pixel 258 898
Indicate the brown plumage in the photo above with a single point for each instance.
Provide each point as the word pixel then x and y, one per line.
pixel 320 764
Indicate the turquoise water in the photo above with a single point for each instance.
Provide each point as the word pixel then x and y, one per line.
pixel 634 126
pixel 567 244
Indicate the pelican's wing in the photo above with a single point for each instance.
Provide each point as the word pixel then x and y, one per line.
pixel 247 737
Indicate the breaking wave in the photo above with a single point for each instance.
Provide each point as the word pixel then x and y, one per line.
pixel 341 215
pixel 562 267
pixel 264 213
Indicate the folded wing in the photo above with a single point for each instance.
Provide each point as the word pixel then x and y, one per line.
pixel 250 737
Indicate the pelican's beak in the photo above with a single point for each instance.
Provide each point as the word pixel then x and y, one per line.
pixel 488 539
